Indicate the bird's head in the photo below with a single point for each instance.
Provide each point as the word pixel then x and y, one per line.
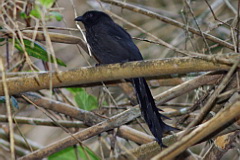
pixel 91 18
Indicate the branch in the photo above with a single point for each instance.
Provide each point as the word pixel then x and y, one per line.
pixel 106 125
pixel 88 118
pixel 209 104
pixel 134 135
pixel 19 141
pixel 88 75
pixel 147 151
pixel 222 118
pixel 222 144
pixel 44 122
pixel 169 21
pixel 55 37
pixel 187 86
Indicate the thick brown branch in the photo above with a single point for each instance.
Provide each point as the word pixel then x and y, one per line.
pixel 88 75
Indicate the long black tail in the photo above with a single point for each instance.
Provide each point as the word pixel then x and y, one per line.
pixel 149 110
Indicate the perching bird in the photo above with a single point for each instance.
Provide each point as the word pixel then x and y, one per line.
pixel 109 44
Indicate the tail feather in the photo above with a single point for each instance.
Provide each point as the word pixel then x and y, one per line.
pixel 149 110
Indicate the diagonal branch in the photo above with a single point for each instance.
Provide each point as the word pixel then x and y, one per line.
pixel 225 116
pixel 169 21
pixel 106 125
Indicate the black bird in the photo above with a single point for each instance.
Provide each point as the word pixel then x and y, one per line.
pixel 109 44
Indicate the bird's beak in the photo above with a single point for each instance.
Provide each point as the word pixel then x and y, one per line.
pixel 80 18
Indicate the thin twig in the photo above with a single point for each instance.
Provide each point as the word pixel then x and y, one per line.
pixel 106 125
pixel 9 114
pixel 207 107
pixel 44 122
pixel 204 39
pixel 222 118
pixel 168 20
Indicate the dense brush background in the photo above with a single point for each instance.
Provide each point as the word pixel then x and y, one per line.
pixel 108 100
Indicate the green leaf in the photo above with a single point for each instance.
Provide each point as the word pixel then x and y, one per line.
pixel 74 90
pixel 2 39
pixel 56 15
pixel 36 12
pixel 83 99
pixel 47 3
pixel 23 15
pixel 69 154
pixel 37 51
pixel 85 150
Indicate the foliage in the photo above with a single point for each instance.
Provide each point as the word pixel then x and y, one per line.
pixel 69 154
pixel 83 99
pixel 36 50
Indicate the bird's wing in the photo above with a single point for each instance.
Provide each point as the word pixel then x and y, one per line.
pixel 124 42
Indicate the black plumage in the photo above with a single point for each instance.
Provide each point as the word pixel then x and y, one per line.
pixel 109 44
